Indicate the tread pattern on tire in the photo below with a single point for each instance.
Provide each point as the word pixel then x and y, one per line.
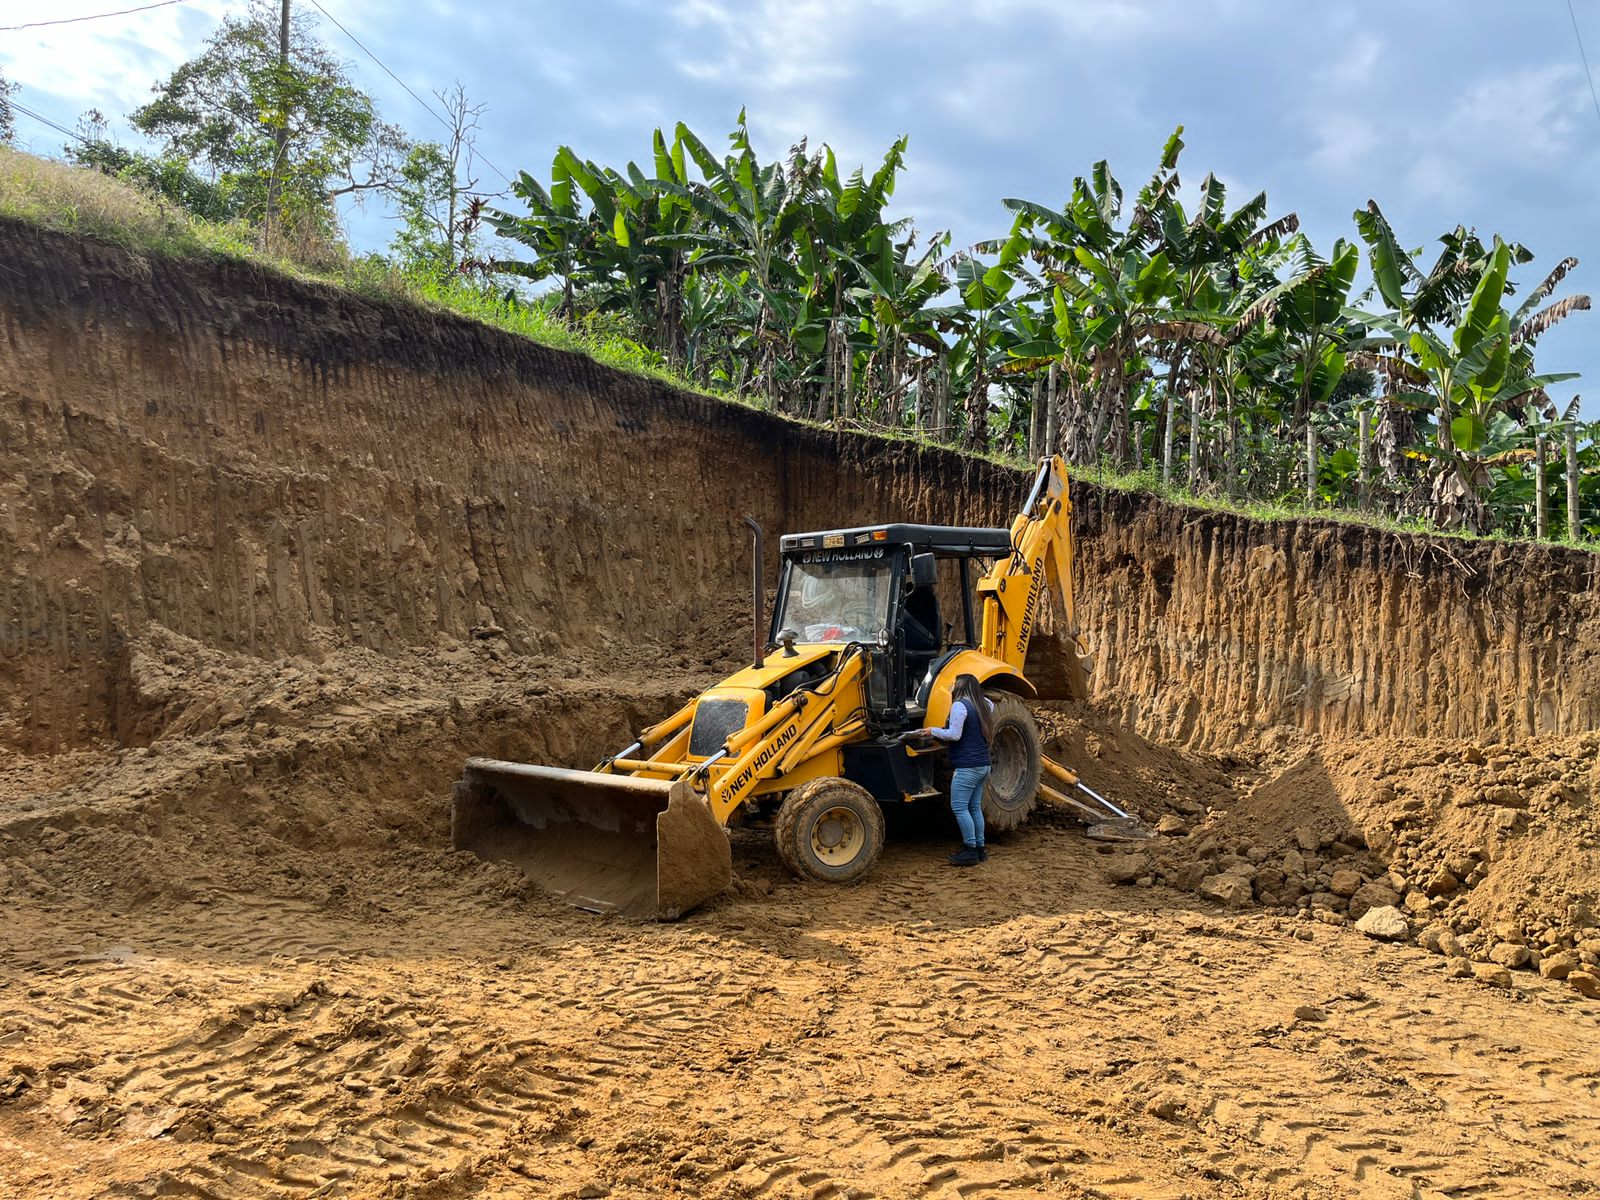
pixel 1009 709
pixel 785 827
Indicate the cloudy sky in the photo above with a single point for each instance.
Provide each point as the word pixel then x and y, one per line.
pixel 1445 111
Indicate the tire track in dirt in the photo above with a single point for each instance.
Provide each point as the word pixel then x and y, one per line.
pixel 1017 1028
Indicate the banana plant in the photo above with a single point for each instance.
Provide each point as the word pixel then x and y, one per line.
pixel 556 229
pixel 749 215
pixel 893 294
pixel 1482 369
pixel 1119 276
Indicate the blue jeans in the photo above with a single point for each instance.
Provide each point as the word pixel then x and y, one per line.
pixel 966 802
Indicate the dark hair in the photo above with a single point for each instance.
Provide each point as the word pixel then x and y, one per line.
pixel 969 689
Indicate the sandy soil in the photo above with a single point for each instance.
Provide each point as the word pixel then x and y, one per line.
pixel 304 994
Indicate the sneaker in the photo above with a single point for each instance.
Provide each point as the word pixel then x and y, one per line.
pixel 967 856
pixel 983 854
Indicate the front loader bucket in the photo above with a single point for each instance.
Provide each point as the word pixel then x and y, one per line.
pixel 608 843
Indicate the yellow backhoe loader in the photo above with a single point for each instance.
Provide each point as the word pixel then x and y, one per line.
pixel 871 629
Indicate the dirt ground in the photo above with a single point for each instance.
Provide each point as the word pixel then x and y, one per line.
pixel 242 963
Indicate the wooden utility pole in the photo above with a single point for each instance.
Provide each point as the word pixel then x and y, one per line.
pixel 280 134
pixel 1574 528
pixel 1541 489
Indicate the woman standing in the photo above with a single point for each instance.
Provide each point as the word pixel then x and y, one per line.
pixel 970 729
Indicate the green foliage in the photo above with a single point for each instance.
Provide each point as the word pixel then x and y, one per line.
pixel 8 120
pixel 1215 352
pixel 170 178
pixel 90 203
pixel 1216 342
pixel 283 137
pixel 424 240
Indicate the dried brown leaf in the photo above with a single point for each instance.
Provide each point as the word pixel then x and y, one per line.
pixel 1546 317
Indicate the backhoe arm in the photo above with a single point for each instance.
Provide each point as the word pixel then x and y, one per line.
pixel 1013 591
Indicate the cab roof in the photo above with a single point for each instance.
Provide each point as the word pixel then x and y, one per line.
pixel 944 540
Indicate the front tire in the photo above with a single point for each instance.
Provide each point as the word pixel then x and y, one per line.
pixel 1013 785
pixel 830 830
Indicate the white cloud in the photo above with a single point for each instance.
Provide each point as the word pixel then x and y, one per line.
pixel 108 64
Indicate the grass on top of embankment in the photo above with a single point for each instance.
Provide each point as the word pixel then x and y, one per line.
pixel 88 203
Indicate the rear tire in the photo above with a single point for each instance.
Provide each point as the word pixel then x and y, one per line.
pixel 1013 785
pixel 830 830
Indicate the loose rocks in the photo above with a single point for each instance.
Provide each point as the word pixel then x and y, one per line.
pixel 1345 882
pixel 1384 923
pixel 1492 974
pixel 1440 940
pixel 1125 868
pixel 1443 883
pixel 1373 895
pixel 1232 890
pixel 1559 966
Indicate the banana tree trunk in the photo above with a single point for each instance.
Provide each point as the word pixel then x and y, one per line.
pixel 1574 527
pixel 1541 491
pixel 1364 458
pixel 1036 415
pixel 1194 444
pixel 1052 414
pixel 1232 459
pixel 1107 400
pixel 938 406
pixel 978 413
pixel 669 311
pixel 1168 424
pixel 1311 465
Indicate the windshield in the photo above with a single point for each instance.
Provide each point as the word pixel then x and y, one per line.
pixel 837 601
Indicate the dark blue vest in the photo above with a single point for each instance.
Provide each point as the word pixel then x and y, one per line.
pixel 971 750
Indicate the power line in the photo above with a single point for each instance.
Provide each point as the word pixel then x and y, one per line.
pixel 1593 95
pixel 121 12
pixel 428 107
pixel 43 120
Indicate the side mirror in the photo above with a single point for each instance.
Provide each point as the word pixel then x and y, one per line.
pixel 924 570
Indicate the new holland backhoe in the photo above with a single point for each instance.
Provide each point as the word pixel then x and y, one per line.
pixel 872 627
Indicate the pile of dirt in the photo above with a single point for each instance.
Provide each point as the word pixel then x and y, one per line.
pixel 1485 853
pixel 288 777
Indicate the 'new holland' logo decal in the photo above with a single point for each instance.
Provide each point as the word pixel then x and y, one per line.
pixel 768 753
pixel 1029 609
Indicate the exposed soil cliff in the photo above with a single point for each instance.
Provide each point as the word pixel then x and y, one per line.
pixel 271 469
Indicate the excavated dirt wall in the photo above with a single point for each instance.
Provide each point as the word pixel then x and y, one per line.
pixel 273 468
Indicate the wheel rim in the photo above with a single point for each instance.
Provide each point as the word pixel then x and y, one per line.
pixel 1008 755
pixel 837 836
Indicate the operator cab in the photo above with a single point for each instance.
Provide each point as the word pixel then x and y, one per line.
pixel 904 591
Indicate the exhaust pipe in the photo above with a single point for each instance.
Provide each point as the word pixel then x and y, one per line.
pixel 759 596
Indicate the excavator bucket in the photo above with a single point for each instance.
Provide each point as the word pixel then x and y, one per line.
pixel 645 848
